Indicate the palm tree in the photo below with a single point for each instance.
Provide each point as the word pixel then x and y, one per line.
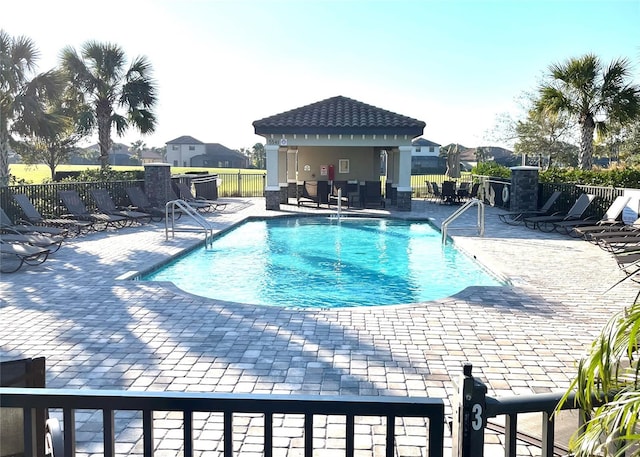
pixel 99 76
pixel 609 375
pixel 592 95
pixel 23 100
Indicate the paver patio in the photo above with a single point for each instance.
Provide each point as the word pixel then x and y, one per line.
pixel 101 332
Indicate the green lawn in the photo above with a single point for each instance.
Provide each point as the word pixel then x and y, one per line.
pixel 36 174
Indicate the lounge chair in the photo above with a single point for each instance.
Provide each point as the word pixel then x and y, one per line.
pixel 78 210
pixel 187 195
pixel 14 255
pixel 141 202
pixel 610 217
pixel 52 243
pixel 201 207
pixel 545 223
pixel 517 217
pixel 316 192
pixel 105 203
pixel 33 216
pixel 610 231
pixel 47 437
pixel 8 226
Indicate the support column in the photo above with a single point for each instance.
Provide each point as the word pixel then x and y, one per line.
pixel 157 183
pixel 282 176
pixel 524 189
pixel 404 179
pixel 272 189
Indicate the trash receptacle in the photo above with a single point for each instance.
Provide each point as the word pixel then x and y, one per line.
pixel 207 187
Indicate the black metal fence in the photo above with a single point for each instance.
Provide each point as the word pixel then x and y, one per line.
pixel 45 196
pixel 108 402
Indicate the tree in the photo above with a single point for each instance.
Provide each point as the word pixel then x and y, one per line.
pixel 591 95
pixel 23 100
pixel 259 156
pixel 100 79
pixel 543 135
pixel 137 147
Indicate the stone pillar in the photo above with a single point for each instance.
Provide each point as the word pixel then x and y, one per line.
pixel 272 192
pixel 524 189
pixel 157 183
pixel 403 189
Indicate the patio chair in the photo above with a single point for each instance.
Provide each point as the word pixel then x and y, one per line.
pixel 373 194
pixel 187 195
pixel 545 223
pixel 437 195
pixel 15 255
pixel 33 216
pixel 463 191
pixel 448 193
pixel 105 204
pixel 141 202
pixel 48 439
pixel 314 192
pixel 517 217
pixel 78 210
pixel 7 225
pixel 344 193
pixel 609 218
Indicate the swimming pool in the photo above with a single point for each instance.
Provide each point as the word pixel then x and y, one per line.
pixel 325 263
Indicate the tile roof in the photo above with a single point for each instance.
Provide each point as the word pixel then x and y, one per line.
pixel 339 115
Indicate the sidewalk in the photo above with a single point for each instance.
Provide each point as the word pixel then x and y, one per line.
pixel 100 332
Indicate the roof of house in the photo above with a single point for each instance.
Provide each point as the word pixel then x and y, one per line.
pixel 185 139
pixel 223 151
pixel 339 115
pixel 423 142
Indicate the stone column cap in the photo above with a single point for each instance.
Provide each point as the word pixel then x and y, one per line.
pixel 525 167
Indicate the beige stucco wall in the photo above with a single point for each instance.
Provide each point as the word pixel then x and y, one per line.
pixel 364 162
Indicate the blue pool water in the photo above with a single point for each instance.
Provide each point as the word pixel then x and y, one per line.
pixel 320 262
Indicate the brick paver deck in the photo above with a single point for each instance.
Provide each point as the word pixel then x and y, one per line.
pixel 101 332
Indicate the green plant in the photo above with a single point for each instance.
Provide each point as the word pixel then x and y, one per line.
pixel 609 375
pixel 491 169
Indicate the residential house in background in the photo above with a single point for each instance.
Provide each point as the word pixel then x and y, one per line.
pixel 187 151
pixel 425 157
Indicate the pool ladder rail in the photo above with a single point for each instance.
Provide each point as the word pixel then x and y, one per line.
pixel 201 224
pixel 458 212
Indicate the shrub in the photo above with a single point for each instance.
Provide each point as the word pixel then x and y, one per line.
pixel 491 169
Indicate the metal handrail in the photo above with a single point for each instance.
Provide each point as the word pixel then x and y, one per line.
pixel 459 211
pixel 185 208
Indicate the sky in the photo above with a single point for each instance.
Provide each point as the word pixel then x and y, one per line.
pixel 219 65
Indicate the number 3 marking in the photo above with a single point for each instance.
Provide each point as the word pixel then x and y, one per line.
pixel 476 422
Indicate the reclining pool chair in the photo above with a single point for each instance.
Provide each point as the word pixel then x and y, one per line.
pixel 141 202
pixel 545 223
pixel 33 216
pixel 187 195
pixel 8 226
pixel 15 255
pixel 611 217
pixel 517 217
pixel 74 204
pixel 315 192
pixel 51 242
pixel 105 204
